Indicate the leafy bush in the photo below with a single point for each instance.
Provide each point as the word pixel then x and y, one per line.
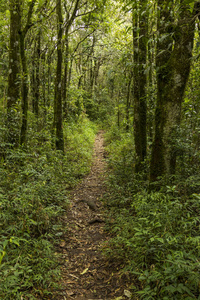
pixel 30 206
pixel 156 234
pixel 160 241
pixel 33 197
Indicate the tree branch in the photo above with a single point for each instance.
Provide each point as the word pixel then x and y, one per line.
pixel 82 41
pixel 30 12
pixel 73 15
pixel 87 13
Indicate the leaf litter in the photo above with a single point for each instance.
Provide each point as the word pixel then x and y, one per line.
pixel 86 273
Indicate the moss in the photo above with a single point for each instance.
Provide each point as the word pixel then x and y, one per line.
pixel 173 72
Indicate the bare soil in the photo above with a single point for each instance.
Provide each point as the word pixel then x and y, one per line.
pixel 86 273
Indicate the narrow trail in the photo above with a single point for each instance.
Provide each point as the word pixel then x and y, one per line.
pixel 86 273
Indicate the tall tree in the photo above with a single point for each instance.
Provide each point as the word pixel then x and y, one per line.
pixel 174 52
pixel 36 74
pixel 70 15
pixel 58 87
pixel 140 107
pixel 22 34
pixel 13 77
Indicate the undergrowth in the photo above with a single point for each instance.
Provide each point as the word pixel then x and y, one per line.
pixel 33 197
pixel 156 234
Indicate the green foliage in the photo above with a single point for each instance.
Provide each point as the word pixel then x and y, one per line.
pixel 121 154
pixel 79 140
pixel 33 197
pixel 30 207
pixel 4 41
pixel 155 234
pixel 161 245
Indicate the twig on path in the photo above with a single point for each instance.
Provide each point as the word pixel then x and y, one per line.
pixel 96 220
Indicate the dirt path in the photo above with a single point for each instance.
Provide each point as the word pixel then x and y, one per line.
pixel 87 274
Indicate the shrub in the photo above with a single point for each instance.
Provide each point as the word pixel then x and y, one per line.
pixel 33 197
pixel 155 234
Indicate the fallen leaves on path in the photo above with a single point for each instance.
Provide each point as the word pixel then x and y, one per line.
pixel 86 273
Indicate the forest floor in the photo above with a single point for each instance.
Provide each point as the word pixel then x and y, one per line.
pixel 86 273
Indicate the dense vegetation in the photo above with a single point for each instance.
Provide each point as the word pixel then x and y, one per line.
pixel 156 233
pixel 33 196
pixel 132 67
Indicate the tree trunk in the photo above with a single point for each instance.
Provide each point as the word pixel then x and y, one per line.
pixel 13 78
pixel 58 87
pixel 25 86
pixel 24 91
pixel 66 70
pixel 49 76
pixel 128 104
pixel 43 76
pixel 140 111
pixel 68 67
pixel 37 74
pixel 173 67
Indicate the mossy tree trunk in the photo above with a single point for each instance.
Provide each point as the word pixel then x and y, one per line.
pixel 140 107
pixel 66 73
pixel 37 75
pixel 174 52
pixel 25 86
pixel 24 90
pixel 58 121
pixel 13 78
pixel 69 18
pixel 128 102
